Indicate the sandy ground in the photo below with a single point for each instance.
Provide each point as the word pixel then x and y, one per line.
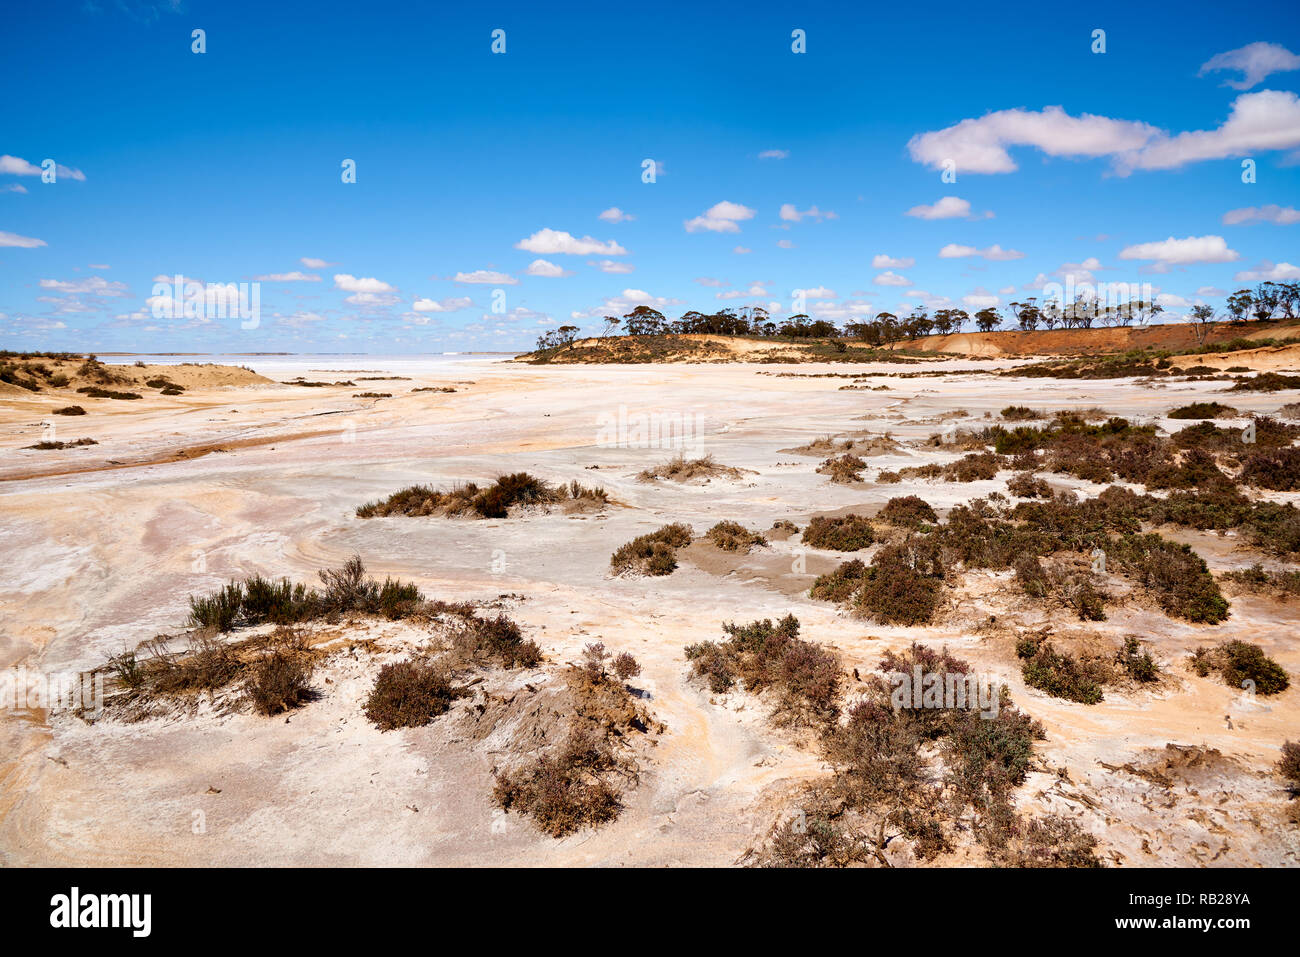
pixel 103 545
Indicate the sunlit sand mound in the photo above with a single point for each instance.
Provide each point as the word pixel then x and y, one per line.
pixel 1073 342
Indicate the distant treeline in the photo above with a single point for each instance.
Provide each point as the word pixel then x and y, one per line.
pixel 1269 300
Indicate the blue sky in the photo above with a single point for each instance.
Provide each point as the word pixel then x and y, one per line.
pixel 225 166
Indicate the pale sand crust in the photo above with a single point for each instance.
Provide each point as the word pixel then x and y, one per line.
pixel 101 556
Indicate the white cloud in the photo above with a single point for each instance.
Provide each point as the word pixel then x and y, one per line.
pixel 785 243
pixel 1255 61
pixel 980 298
pixel 980 145
pixel 350 283
pixel 626 302
pixel 994 253
pixel 757 290
pixel 100 266
pixel 294 276
pixel 950 207
pixel 22 242
pixel 1167 300
pixel 558 243
pixel 773 154
pixel 541 267
pixel 486 277
pixel 1268 272
pixel 792 214
pixel 445 305
pixel 1178 252
pixel 611 266
pixel 891 279
pixel 711 282
pixel 1210 292
pixel 17 166
pixel 311 263
pixel 720 218
pixel 1257 122
pixel 1272 213
pixel 819 292
pixel 881 261
pixel 742 250
pixel 615 215
pixel 13 188
pixel 94 285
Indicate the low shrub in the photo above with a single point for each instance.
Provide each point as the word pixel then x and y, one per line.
pixel 1203 410
pixel 908 511
pixel 847 533
pixel 764 655
pixel 409 694
pixel 1058 674
pixel 843 469
pixel 565 790
pixel 70 410
pixel 734 537
pixel 654 553
pixel 1028 485
pixel 903 584
pixel 1242 665
pixel 280 681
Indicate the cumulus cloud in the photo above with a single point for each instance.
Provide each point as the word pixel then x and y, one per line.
pixel 1257 122
pixel 1272 213
pixel 349 283
pixel 742 250
pixel 621 304
pixel 17 166
pixel 721 217
pixel 94 285
pixel 785 243
pixel 556 242
pixel 452 304
pixel 891 279
pixel 1266 271
pixel 881 261
pixel 311 263
pixel 541 267
pixel 21 242
pixel 1179 252
pixel 792 214
pixel 1254 62
pixel 949 207
pixel 615 215
pixel 980 145
pixel 979 298
pixel 819 292
pixel 756 290
pixel 612 266
pixel 994 253
pixel 486 277
pixel 710 281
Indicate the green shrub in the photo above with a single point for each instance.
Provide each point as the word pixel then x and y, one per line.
pixel 1242 665
pixel 1059 674
pixel 848 533
pixel 908 511
pixel 654 553
pixel 1203 410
